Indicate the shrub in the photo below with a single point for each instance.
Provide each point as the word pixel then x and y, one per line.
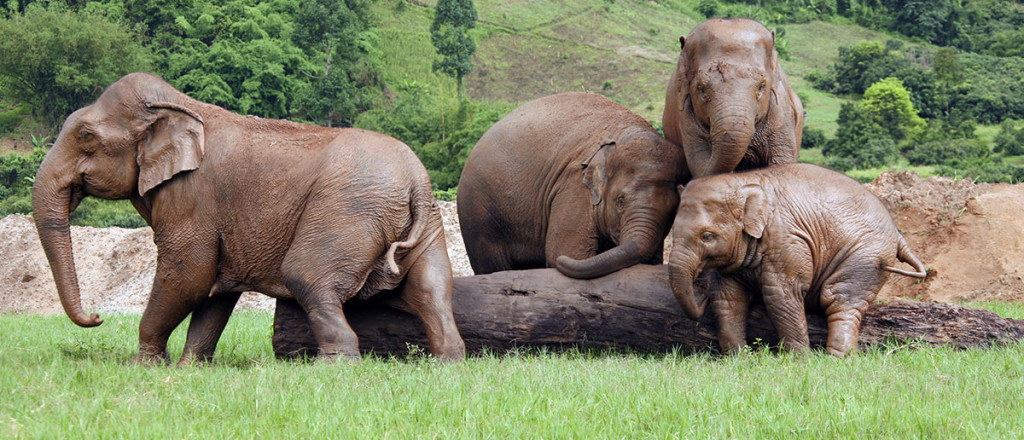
pixel 709 8
pixel 447 195
pixel 17 172
pixel 812 138
pixel 10 119
pixel 106 213
pixel 941 151
pixel 982 170
pixel 1010 139
pixel 440 132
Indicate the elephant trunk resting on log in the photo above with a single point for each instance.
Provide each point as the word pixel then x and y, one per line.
pixel 631 308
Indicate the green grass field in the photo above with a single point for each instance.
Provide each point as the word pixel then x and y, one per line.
pixel 60 381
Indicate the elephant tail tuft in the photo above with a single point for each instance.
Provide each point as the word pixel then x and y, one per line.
pixel 904 254
pixel 420 206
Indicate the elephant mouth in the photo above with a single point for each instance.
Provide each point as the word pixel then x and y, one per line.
pixel 702 128
pixel 77 194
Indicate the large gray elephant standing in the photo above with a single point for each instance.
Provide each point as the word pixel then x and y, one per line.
pixel 729 104
pixel 572 181
pixel 240 203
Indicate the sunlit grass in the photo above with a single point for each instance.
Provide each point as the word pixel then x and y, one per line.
pixel 61 381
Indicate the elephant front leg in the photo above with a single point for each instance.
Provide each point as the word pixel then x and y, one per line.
pixel 183 279
pixel 731 304
pixel 207 324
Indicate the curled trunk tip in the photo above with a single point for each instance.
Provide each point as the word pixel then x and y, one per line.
pixel 686 296
pixel 612 260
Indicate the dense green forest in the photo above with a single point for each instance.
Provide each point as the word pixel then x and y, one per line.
pixel 930 85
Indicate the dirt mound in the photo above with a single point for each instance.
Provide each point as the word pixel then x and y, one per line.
pixel 971 237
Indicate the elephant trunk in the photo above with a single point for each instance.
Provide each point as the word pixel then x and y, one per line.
pixel 53 198
pixel 640 240
pixel 682 273
pixel 731 133
pixel 620 257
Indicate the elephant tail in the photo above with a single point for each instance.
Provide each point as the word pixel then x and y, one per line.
pixel 420 207
pixel 904 254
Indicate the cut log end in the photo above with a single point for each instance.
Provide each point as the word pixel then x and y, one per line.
pixel 630 309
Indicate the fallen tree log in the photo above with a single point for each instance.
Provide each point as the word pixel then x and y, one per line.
pixel 633 308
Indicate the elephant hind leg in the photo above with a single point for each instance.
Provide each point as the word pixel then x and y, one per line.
pixel 488 253
pixel 325 267
pixel 427 292
pixel 845 297
pixel 323 304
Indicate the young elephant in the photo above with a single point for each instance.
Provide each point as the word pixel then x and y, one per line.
pixel 803 236
pixel 729 104
pixel 572 181
pixel 239 203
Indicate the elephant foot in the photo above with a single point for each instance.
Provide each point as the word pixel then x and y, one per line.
pixel 193 361
pixel 453 352
pixel 149 359
pixel 336 357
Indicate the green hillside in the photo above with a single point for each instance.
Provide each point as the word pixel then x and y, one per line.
pixel 625 50
pixel 958 62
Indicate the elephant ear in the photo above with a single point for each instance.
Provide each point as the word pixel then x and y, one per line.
pixel 755 210
pixel 595 173
pixel 175 141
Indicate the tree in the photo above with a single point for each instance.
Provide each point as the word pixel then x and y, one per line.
pixel 237 56
pixel 336 34
pixel 888 102
pixel 860 141
pixel 57 60
pixel 1010 140
pixel 450 35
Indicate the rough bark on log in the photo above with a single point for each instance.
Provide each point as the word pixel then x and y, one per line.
pixel 633 308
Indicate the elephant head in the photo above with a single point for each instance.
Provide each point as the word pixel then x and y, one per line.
pixel 138 134
pixel 715 228
pixel 726 83
pixel 631 185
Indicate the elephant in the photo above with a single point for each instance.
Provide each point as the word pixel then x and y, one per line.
pixel 806 238
pixel 572 181
pixel 728 103
pixel 241 203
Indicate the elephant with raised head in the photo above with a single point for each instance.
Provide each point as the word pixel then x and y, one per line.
pixel 239 203
pixel 729 104
pixel 572 181
pixel 800 237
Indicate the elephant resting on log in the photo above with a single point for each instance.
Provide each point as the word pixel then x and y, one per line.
pixel 631 308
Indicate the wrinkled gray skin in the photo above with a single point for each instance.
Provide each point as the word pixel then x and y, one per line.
pixel 242 203
pixel 802 237
pixel 572 181
pixel 728 103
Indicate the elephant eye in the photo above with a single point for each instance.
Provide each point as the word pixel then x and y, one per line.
pixel 620 202
pixel 761 88
pixel 85 135
pixel 702 92
pixel 707 237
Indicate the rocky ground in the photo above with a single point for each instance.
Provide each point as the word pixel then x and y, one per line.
pixel 971 236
